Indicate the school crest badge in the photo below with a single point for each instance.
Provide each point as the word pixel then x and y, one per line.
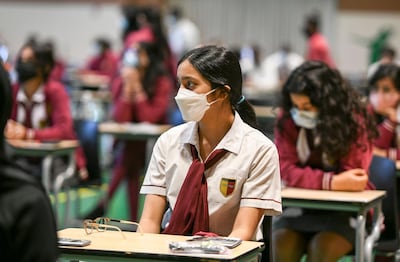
pixel 227 186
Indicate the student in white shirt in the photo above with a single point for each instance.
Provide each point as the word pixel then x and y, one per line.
pixel 243 184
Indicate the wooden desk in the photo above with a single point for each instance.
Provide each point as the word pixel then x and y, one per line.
pixel 110 246
pixel 132 131
pixel 266 111
pixel 135 131
pixel 48 151
pixel 358 202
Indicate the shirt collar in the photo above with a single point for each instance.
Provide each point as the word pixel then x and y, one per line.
pixel 231 141
pixel 38 97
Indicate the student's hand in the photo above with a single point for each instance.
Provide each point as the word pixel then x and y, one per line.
pixel 14 130
pixel 132 83
pixel 350 180
pixel 385 104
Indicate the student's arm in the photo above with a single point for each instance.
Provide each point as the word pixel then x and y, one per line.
pixel 292 174
pixel 386 131
pixel 246 222
pixel 153 211
pixel 58 102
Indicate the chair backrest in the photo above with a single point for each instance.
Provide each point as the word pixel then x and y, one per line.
pixel 382 173
pixel 87 132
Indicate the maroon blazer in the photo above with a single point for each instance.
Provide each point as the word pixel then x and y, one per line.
pixel 311 175
pixel 59 120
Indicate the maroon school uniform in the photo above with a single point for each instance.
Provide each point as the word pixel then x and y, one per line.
pixel 106 64
pixel 311 174
pixel 50 116
pixel 130 160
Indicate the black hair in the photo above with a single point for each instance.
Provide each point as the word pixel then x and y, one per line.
pixel 43 56
pixel 220 67
pixel 340 107
pixel 155 68
pixel 177 12
pixel 388 51
pixel 5 104
pixel 391 71
pixel 103 43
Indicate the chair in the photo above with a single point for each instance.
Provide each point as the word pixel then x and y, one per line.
pixel 383 175
pixel 87 134
pixel 266 255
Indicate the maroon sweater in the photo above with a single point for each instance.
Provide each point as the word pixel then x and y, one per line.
pixel 311 175
pixel 59 123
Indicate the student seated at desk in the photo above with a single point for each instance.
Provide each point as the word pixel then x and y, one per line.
pixel 141 94
pixel 384 96
pixel 324 138
pixel 217 173
pixel 27 224
pixel 41 108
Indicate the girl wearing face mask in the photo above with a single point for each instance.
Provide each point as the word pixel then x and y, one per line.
pixel 142 93
pixel 384 96
pixel 41 107
pixel 216 172
pixel 324 138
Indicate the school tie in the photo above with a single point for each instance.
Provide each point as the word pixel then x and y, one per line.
pixel 28 114
pixel 190 214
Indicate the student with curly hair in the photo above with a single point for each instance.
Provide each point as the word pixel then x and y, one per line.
pixel 324 139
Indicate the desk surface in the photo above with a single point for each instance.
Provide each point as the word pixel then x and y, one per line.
pixel 266 111
pixel 111 243
pixel 132 130
pixel 365 196
pixel 27 147
pixel 331 200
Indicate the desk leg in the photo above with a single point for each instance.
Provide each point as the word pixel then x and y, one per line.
pixel 46 165
pixel 376 232
pixel 58 184
pixel 360 235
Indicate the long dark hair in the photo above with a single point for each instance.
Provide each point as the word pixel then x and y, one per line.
pixel 220 67
pixel 340 108
pixel 154 70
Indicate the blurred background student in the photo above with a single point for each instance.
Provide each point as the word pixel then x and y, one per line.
pixel 324 138
pixel 317 46
pixel 384 96
pixel 142 93
pixel 103 61
pixel 41 107
pixel 387 56
pixel 27 225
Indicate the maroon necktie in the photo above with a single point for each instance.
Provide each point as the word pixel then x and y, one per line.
pixel 28 114
pixel 190 214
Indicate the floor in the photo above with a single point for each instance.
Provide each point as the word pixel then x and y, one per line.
pixel 84 199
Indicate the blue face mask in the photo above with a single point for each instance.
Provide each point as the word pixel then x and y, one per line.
pixel 306 119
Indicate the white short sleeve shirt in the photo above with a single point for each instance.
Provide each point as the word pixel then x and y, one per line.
pixel 247 176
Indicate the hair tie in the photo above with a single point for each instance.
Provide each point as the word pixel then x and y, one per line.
pixel 242 98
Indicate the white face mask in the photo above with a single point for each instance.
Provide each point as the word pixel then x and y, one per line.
pixel 306 119
pixel 192 105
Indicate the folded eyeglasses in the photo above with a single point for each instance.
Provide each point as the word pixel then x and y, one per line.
pixel 102 224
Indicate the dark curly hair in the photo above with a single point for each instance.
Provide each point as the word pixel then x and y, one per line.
pixel 340 108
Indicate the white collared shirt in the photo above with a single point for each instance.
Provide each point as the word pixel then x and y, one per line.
pixel 251 168
pixel 39 112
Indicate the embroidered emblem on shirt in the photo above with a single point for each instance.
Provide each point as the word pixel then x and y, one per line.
pixel 227 186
